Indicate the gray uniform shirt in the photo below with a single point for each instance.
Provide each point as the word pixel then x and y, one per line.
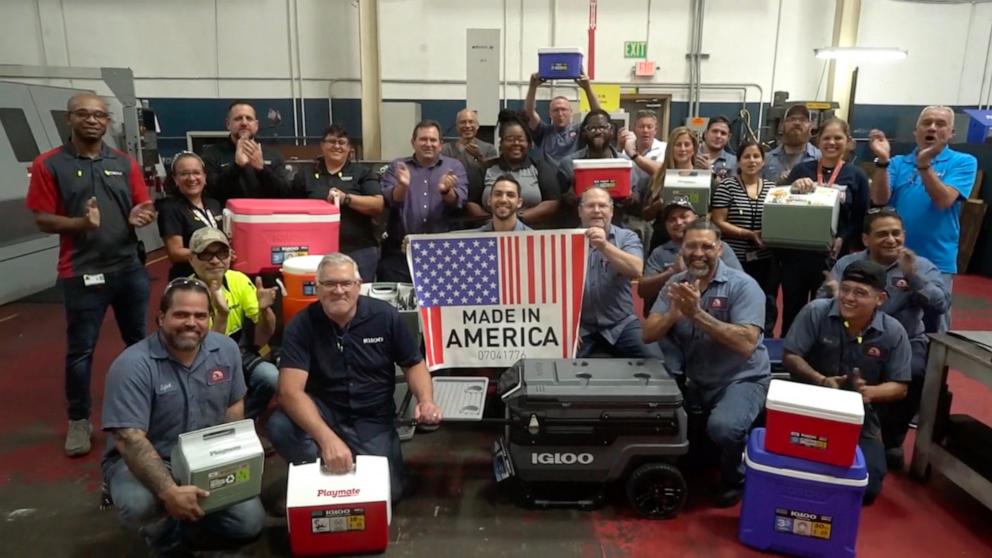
pixel 455 150
pixel 147 389
pixel 607 303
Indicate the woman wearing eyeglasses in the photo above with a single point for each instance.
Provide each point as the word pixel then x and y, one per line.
pixel 185 210
pixel 354 189
pixel 538 185
pixel 802 270
pixel 682 147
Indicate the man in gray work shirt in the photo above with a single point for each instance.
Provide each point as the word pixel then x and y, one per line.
pixel 180 379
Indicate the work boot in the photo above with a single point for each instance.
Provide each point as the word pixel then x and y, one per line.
pixel 77 439
pixel 726 496
pixel 894 459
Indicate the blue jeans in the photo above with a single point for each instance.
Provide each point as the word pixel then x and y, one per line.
pixel 141 510
pixel 296 446
pixel 367 260
pixel 262 383
pixel 124 291
pixel 732 411
pixel 627 345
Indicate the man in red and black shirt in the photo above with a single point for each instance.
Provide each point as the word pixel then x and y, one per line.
pixel 92 196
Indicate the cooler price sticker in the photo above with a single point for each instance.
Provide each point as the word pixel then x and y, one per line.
pixel 803 524
pixel 337 520
pixel 282 253
pixel 228 476
pixel 309 288
pixel 604 183
pixel 808 440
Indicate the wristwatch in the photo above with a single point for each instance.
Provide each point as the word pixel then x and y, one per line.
pixel 882 165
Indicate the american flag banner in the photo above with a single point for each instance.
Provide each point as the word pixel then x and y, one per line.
pixel 488 299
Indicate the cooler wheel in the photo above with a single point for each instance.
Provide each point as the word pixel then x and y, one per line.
pixel 657 490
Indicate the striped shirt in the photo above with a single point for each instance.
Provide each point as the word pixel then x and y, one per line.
pixel 743 212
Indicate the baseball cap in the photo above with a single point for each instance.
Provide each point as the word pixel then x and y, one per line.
pixel 866 272
pixel 672 206
pixel 205 237
pixel 800 109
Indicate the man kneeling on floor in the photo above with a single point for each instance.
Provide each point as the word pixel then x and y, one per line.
pixel 182 378
pixel 847 342
pixel 711 318
pixel 337 377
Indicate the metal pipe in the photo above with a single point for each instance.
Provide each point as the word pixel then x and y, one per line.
pixel 778 31
pixel 502 35
pixel 520 49
pixel 299 71
pixel 289 49
pixel 691 53
pixel 988 51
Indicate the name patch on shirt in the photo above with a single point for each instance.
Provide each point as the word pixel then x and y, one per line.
pixel 165 388
pixel 370 340
pixel 218 375
pixel 112 173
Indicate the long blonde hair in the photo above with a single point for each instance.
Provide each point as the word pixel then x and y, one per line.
pixel 658 181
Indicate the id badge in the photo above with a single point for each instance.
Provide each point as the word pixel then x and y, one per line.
pixel 93 280
pixel 750 256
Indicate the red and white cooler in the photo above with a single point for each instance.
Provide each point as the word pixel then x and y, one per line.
pixel 612 175
pixel 339 514
pixel 265 233
pixel 813 422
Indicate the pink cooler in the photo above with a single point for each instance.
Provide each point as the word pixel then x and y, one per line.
pixel 612 175
pixel 339 514
pixel 813 422
pixel 265 233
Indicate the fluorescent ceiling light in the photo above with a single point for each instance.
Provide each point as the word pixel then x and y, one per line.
pixel 879 54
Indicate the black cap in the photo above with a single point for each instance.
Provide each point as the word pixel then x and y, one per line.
pixel 798 108
pixel 866 272
pixel 675 204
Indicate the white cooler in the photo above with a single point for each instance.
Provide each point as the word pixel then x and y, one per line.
pixel 339 514
pixel 800 221
pixel 225 460
pixel 688 185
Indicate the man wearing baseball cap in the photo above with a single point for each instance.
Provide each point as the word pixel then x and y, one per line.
pixel 666 260
pixel 236 301
pixel 794 148
pixel 847 342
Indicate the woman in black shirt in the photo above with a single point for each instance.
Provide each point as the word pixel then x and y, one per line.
pixel 185 210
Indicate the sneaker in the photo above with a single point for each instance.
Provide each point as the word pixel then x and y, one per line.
pixel 77 439
pixel 894 459
pixel 726 497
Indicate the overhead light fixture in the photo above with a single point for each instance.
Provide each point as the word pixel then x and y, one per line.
pixel 858 54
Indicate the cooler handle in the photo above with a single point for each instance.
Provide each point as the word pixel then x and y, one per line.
pixel 384 288
pixel 227 222
pixel 320 464
pixel 218 434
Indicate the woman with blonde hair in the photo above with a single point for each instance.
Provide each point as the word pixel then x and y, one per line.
pixel 682 146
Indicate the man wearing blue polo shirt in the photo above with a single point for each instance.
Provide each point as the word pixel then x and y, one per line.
pixel 337 377
pixel 926 187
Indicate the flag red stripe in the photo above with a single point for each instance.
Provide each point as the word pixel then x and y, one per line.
pixel 437 337
pixel 544 273
pixel 579 258
pixel 502 271
pixel 554 271
pixel 530 269
pixel 517 262
pixel 565 325
pixel 427 346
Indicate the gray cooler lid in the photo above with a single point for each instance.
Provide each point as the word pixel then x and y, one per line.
pixel 600 379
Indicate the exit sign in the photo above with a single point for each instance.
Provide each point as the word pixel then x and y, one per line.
pixel 635 49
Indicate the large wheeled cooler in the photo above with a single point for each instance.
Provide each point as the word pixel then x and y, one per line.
pixel 594 421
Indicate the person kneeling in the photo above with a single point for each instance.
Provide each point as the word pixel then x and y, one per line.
pixel 337 377
pixel 847 342
pixel 180 379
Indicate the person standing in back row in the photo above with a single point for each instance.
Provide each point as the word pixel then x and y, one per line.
pixel 561 136
pixel 93 197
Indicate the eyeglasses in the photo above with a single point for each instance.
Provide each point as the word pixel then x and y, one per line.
pixel 340 142
pixel 186 283
pixel 335 285
pixel 83 114
pixel 704 246
pixel 600 128
pixel 187 174
pixel 206 255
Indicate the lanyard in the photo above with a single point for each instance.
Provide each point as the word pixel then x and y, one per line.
pixel 833 175
pixel 205 216
pixel 755 202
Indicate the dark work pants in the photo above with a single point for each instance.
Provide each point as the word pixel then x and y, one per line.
pixel 765 272
pixel 802 275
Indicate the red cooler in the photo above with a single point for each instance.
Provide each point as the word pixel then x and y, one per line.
pixel 613 175
pixel 339 514
pixel 265 233
pixel 812 422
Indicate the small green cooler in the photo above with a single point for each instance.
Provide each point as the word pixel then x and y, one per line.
pixel 800 221
pixel 225 460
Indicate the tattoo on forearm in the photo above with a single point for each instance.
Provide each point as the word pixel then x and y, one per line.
pixel 143 461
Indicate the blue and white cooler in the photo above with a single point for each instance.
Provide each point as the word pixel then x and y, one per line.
pixel 559 63
pixel 800 507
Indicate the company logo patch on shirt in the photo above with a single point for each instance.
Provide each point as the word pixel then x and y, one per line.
pixel 873 352
pixel 218 375
pixel 718 303
pixel 899 283
pixel 165 388
pixel 370 340
pixel 112 173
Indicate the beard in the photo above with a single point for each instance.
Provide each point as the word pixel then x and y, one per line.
pixel 699 272
pixel 181 342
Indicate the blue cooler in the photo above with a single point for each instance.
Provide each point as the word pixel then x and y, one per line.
pixel 559 63
pixel 800 507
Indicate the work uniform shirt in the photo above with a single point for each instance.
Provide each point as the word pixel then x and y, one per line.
pixel 607 303
pixel 149 390
pixel 62 181
pixel 852 182
pixel 518 226
pixel 456 150
pixel 724 165
pixel 423 209
pixel 732 297
pixel 553 143
pixel 357 229
pixel 908 297
pixel 226 180
pixel 537 180
pixel 178 217
pixel 880 354
pixel 242 303
pixel 664 256
pixel 351 369
pixel 778 163
pixel 930 231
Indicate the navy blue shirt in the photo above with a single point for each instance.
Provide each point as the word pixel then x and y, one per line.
pixel 352 369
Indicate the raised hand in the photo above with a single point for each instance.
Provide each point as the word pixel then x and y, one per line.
pixel 92 214
pixel 402 174
pixel 141 214
pixel 879 144
pixel 266 297
pixel 447 182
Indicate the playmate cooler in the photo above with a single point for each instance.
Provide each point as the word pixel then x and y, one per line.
pixel 225 460
pixel 799 507
pixel 559 63
pixel 339 514
pixel 612 175
pixel 265 233
pixel 813 422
